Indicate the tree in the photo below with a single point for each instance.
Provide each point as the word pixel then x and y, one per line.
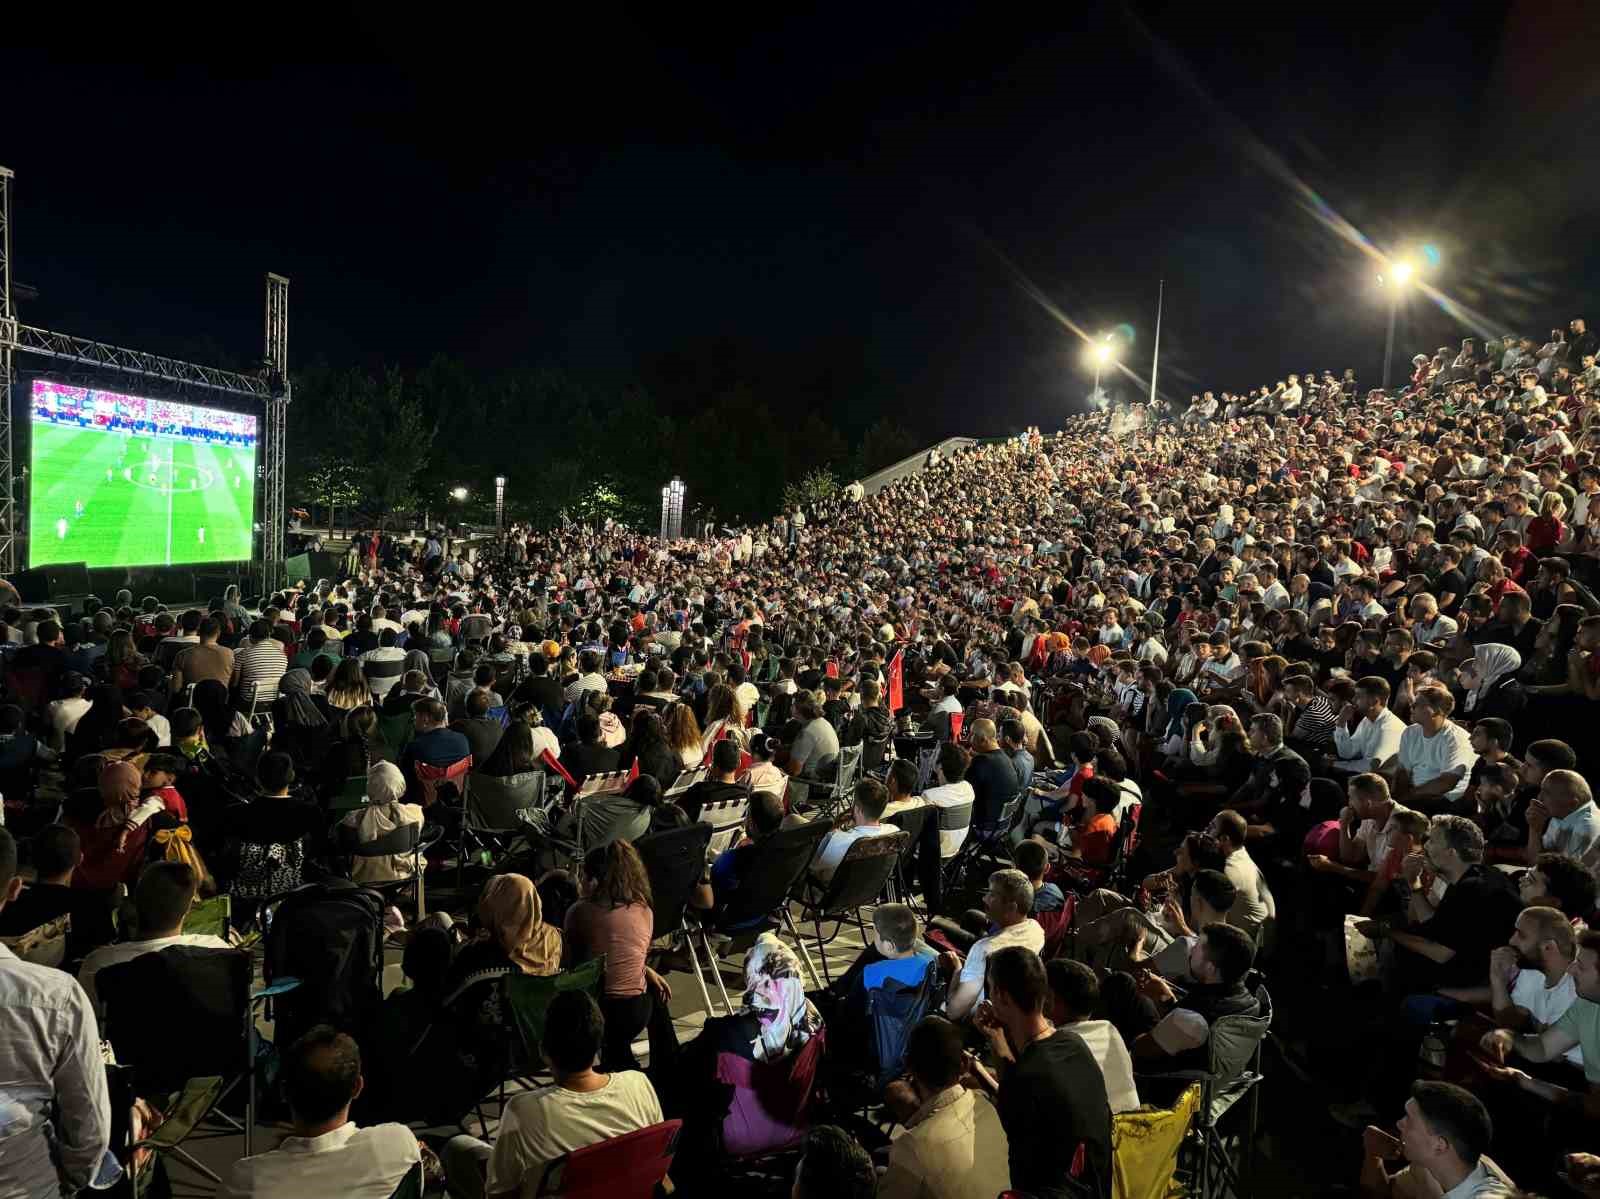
pixel 884 444
pixel 812 487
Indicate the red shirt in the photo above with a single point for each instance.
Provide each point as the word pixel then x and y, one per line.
pixel 1543 535
pixel 1520 562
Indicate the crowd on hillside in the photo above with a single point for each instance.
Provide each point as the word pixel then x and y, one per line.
pixel 1274 711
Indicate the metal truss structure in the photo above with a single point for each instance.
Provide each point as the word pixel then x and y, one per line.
pixel 269 388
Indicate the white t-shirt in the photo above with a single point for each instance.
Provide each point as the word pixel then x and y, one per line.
pixel 62 716
pixel 1575 833
pixel 539 1126
pixel 949 796
pixel 1546 1004
pixel 1027 933
pixel 358 1163
pixel 114 955
pixel 1109 1049
pixel 1254 903
pixel 837 843
pixel 1449 751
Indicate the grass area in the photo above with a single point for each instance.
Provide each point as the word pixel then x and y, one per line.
pixel 116 499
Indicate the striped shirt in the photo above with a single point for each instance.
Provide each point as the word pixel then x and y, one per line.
pixel 258 666
pixel 1315 723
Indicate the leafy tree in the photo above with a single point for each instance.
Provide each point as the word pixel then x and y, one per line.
pixel 812 487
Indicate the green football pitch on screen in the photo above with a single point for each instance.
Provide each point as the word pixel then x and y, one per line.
pixel 111 497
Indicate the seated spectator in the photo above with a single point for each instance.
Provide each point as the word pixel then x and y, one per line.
pixel 991 774
pixel 61 716
pixel 1092 836
pixel 1033 860
pixel 871 798
pixel 58 1112
pixel 720 785
pixel 1531 984
pixel 1376 738
pixel 326 1153
pixel 1560 881
pixel 1167 947
pixel 113 846
pixel 953 1146
pixel 272 836
pixel 737 864
pixel 1279 781
pixel 161 902
pixel 1218 962
pixel 1429 771
pixel 833 1166
pixel 56 853
pixel 1007 903
pixel 1074 1002
pixel 384 811
pixel 613 919
pixel 1444 1136
pixel 1578 1027
pixel 588 754
pixel 1050 1094
pixel 1564 818
pixel 1255 905
pixel 952 792
pixel 413 686
pixel 482 731
pixel 583 1106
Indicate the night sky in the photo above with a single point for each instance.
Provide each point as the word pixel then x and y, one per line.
pixel 866 179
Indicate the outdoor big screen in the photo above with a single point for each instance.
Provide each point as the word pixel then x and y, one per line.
pixel 120 480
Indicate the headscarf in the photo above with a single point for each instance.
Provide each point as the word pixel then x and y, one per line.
pixel 417 659
pixel 1180 699
pixel 1099 655
pixel 119 788
pixel 775 995
pixel 385 783
pixel 509 909
pixel 299 710
pixel 1491 662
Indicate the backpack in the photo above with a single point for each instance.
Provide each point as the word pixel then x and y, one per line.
pixel 329 936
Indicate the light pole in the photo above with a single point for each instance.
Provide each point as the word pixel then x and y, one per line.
pixel 1101 354
pixel 500 503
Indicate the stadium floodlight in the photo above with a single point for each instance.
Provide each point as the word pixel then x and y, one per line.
pixel 458 493
pixel 1102 352
pixel 1400 273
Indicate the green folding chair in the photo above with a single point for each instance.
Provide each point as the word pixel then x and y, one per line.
pixel 396 731
pixel 530 998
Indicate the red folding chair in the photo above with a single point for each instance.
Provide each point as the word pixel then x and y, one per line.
pixel 771 1108
pixel 627 1167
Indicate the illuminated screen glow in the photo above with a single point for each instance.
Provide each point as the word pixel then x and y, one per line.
pixel 120 480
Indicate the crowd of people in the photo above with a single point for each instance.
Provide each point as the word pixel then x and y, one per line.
pixel 1273 710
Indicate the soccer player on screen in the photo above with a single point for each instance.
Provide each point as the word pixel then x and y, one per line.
pixel 61 529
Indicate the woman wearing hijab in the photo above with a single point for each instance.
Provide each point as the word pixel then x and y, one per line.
pixel 300 723
pixel 113 847
pixel 384 812
pixel 1489 679
pixel 1176 735
pixel 467 1048
pixel 774 1022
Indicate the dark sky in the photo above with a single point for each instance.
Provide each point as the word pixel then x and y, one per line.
pixel 872 177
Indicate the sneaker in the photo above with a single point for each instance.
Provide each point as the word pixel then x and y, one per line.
pixel 1355 1116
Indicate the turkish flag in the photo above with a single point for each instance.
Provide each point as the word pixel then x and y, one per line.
pixel 897 681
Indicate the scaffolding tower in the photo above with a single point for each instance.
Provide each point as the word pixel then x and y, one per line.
pixel 270 387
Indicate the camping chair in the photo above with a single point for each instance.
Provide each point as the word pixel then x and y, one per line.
pixel 860 879
pixel 912 821
pixel 396 731
pixel 528 998
pixel 1233 1073
pixel 725 818
pixel 204 992
pixel 762 901
pixel 430 779
pixel 351 796
pixel 408 840
pixel 674 862
pixel 1145 1145
pixel 685 780
pixel 631 1166
pixel 993 840
pixel 771 1108
pixel 492 821
pixel 847 774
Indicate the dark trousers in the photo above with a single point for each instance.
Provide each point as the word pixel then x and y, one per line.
pixel 626 1017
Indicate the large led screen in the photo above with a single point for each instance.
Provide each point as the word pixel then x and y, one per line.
pixel 120 480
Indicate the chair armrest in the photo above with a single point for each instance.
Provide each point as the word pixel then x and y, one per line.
pixel 430 836
pixel 1176 1075
pixel 282 987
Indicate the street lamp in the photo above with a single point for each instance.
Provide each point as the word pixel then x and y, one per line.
pixel 458 493
pixel 1101 354
pixel 1401 272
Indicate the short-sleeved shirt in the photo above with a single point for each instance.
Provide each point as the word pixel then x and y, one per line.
pixel 1474 918
pixel 1027 933
pixel 1574 833
pixel 540 1126
pixel 1051 1102
pixel 622 934
pixel 1449 751
pixel 1582 1020
pixel 1546 1004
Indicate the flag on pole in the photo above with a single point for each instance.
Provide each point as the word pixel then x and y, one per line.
pixel 897 681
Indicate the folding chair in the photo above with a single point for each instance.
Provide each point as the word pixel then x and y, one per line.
pixel 674 862
pixel 351 796
pixel 631 1166
pixel 408 840
pixel 725 818
pixel 492 817
pixel 912 821
pixel 530 996
pixel 1145 1145
pixel 1233 1073
pixel 430 779
pixel 762 901
pixel 396 731
pixel 992 840
pixel 859 880
pixel 685 780
pixel 205 993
